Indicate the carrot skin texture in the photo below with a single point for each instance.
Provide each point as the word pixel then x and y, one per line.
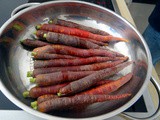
pixel 90 80
pixel 67 50
pixel 48 56
pixel 46 97
pixel 40 34
pixel 58 38
pixel 80 33
pixel 75 25
pixel 35 92
pixel 67 102
pixel 91 67
pixel 59 77
pixel 109 87
pixel 34 43
pixel 72 62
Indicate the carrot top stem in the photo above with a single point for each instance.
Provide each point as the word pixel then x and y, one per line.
pixel 35 108
pixel 33 53
pixel 35 32
pixel 38 27
pixel 59 94
pixel 17 27
pixel 21 41
pixel 25 94
pixel 50 21
pixel 34 104
pixel 44 35
pixel 32 80
pixel 29 74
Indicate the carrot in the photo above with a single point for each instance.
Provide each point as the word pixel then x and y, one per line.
pixel 67 50
pixel 33 43
pixel 48 56
pixel 91 67
pixel 40 34
pixel 58 38
pixel 109 87
pixel 41 99
pixel 90 80
pixel 46 97
pixel 58 77
pixel 102 82
pixel 75 25
pixel 72 62
pixel 35 92
pixel 67 102
pixel 78 32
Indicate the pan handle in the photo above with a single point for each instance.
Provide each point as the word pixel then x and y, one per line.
pixel 21 7
pixel 157 112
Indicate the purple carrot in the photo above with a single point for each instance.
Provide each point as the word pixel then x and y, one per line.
pixel 67 102
pixel 68 50
pixel 72 62
pixel 91 67
pixel 90 80
pixel 58 77
pixel 34 43
pixel 35 92
pixel 58 38
pixel 48 56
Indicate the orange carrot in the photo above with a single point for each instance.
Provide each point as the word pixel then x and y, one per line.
pixel 45 97
pixel 90 80
pixel 109 87
pixel 75 25
pixel 67 102
pixel 78 32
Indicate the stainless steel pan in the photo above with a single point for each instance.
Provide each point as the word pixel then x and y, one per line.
pixel 15 61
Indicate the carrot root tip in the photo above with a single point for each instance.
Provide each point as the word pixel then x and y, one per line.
pixel 32 80
pixel 26 94
pixel 33 53
pixel 29 74
pixel 34 104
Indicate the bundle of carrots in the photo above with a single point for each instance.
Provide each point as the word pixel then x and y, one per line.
pixel 72 66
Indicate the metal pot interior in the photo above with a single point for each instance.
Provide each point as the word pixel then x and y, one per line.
pixel 15 60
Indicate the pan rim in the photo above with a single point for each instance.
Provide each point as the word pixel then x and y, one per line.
pixel 13 99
